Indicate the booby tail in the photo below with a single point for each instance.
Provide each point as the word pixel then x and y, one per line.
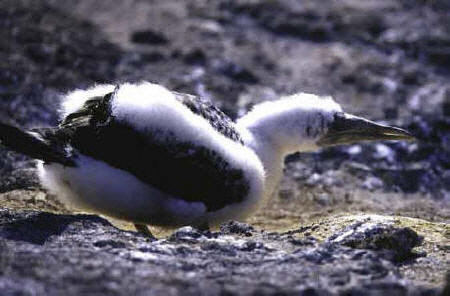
pixel 33 144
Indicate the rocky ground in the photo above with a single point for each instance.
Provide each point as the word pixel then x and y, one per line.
pixel 350 220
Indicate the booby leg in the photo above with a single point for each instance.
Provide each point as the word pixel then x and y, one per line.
pixel 204 226
pixel 142 228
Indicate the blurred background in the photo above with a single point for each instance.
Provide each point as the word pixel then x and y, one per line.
pixel 387 60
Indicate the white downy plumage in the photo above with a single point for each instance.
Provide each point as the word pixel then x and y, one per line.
pixel 270 131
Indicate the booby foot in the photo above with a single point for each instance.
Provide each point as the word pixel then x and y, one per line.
pixel 142 228
pixel 203 226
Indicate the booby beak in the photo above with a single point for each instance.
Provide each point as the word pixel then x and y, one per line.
pixel 348 129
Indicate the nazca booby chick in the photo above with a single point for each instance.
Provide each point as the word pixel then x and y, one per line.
pixel 142 153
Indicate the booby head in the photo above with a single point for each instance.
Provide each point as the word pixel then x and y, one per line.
pixel 306 122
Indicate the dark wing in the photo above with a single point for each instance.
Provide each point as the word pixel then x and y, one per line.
pixel 182 169
pixel 216 118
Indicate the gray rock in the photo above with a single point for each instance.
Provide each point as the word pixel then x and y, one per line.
pixel 372 183
pixel 393 243
pixel 42 253
pixel 234 227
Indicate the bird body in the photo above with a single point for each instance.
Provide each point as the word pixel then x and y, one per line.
pixel 142 153
pixel 152 160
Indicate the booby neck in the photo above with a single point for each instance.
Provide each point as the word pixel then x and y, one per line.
pixel 276 129
pixel 271 156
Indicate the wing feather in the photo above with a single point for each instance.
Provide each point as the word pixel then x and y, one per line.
pixel 182 169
